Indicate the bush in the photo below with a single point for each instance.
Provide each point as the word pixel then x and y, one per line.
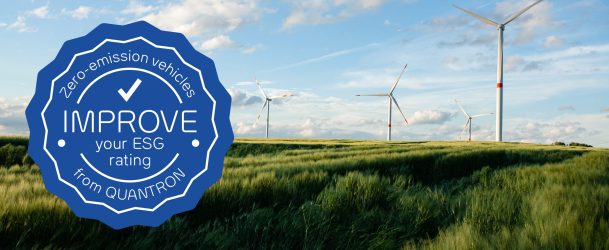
pixel 12 155
pixel 559 143
pixel 577 144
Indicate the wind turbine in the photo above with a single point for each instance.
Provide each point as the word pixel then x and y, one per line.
pixel 267 105
pixel 468 124
pixel 500 28
pixel 392 100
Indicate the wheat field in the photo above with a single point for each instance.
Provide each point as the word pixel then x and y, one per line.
pixel 314 194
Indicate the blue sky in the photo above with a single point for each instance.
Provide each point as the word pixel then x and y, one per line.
pixel 325 52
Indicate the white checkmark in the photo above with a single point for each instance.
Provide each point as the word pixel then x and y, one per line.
pixel 127 96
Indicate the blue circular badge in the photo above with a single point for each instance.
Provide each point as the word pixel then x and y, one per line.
pixel 129 125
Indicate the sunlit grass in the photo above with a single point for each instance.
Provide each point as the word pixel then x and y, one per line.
pixel 288 193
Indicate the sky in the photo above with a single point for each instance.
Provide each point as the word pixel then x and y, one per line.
pixel 324 52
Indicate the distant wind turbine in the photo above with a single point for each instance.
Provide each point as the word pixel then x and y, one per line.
pixel 500 28
pixel 392 100
pixel 267 105
pixel 468 123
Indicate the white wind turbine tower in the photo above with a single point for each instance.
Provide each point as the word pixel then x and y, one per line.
pixel 267 105
pixel 468 123
pixel 500 28
pixel 392 100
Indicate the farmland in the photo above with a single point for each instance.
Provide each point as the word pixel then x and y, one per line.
pixel 348 194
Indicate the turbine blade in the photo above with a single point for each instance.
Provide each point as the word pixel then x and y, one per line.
pixel 398 106
pixel 398 80
pixel 479 17
pixel 474 116
pixel 379 94
pixel 464 129
pixel 261 90
pixel 463 110
pixel 259 113
pixel 517 14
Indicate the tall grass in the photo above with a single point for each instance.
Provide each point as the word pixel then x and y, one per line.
pixel 349 194
pixel 554 206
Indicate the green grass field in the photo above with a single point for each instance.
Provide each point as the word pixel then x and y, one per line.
pixel 348 194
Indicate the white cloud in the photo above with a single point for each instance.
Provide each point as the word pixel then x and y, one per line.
pixel 251 49
pixel 297 17
pixel 309 128
pixel 243 128
pixel 40 12
pixel 196 17
pixel 221 41
pixel 242 98
pixel 530 24
pixel 14 107
pixel 326 11
pixel 20 25
pixel 138 9
pixel 519 63
pixel 82 12
pixel 209 21
pixel 552 41
pixel 540 132
pixel 606 110
pixel 12 115
pixel 567 127
pixel 313 127
pixel 224 41
pixel 430 117
pixel 575 51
